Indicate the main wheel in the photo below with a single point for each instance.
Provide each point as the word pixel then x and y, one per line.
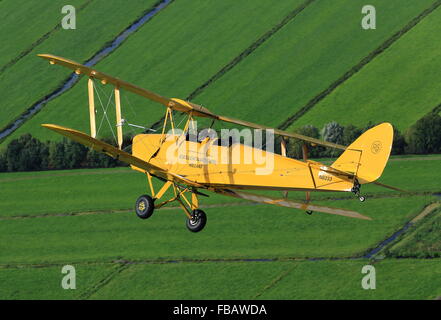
pixel 197 221
pixel 144 206
pixel 362 199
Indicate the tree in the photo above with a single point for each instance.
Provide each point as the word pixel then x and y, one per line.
pixel 332 132
pixel 25 154
pixel 56 157
pixel 3 166
pixel 425 135
pixel 350 133
pixel 399 143
pixel 294 146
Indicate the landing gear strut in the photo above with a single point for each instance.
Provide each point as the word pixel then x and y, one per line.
pixel 196 218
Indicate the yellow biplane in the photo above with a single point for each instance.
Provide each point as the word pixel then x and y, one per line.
pixel 190 165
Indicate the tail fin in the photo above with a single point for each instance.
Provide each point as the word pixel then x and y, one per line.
pixel 367 156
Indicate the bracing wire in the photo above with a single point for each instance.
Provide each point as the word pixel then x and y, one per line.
pixel 105 110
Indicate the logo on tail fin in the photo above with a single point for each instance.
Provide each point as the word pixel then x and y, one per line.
pixel 376 147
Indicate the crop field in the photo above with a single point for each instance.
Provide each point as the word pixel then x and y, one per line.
pixel 380 93
pixel 86 224
pixel 315 49
pixel 279 63
pixel 423 240
pixel 296 68
pixel 29 79
pixel 173 64
pixel 41 23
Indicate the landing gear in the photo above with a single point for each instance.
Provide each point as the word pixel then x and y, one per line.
pixel 144 206
pixel 356 190
pixel 197 221
pixel 196 218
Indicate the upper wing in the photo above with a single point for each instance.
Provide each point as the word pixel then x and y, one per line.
pixel 290 204
pixel 175 104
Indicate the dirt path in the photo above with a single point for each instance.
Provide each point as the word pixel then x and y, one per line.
pixel 390 240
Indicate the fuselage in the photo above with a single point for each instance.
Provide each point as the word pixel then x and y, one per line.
pixel 236 166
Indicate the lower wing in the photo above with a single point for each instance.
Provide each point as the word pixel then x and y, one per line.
pixel 290 204
pixel 110 150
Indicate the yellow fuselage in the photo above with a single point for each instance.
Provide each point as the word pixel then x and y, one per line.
pixel 237 166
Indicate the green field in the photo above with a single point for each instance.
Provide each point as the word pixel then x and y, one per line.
pixel 396 279
pixel 34 25
pixel 257 60
pixel 304 58
pixel 31 78
pixel 173 63
pixel 394 87
pixel 296 68
pixel 423 241
pixel 86 222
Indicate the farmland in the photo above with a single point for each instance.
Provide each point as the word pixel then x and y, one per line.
pixel 289 56
pixel 390 93
pixel 29 79
pixel 424 240
pixel 173 64
pixel 84 224
pixel 285 64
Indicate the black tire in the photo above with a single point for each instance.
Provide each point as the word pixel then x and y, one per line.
pixel 198 221
pixel 144 206
pixel 362 199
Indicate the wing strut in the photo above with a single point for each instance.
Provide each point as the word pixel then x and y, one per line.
pixel 91 108
pixel 119 122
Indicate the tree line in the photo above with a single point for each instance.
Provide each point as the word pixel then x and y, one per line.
pixel 424 137
pixel 30 154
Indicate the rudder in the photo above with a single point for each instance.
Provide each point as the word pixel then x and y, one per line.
pixel 367 156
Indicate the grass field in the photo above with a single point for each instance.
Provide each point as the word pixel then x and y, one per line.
pixel 31 78
pixel 303 59
pixel 394 87
pixel 294 65
pixel 36 25
pixel 231 233
pixel 396 279
pixel 257 60
pixel 423 241
pixel 275 280
pixel 173 63
pixel 38 235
